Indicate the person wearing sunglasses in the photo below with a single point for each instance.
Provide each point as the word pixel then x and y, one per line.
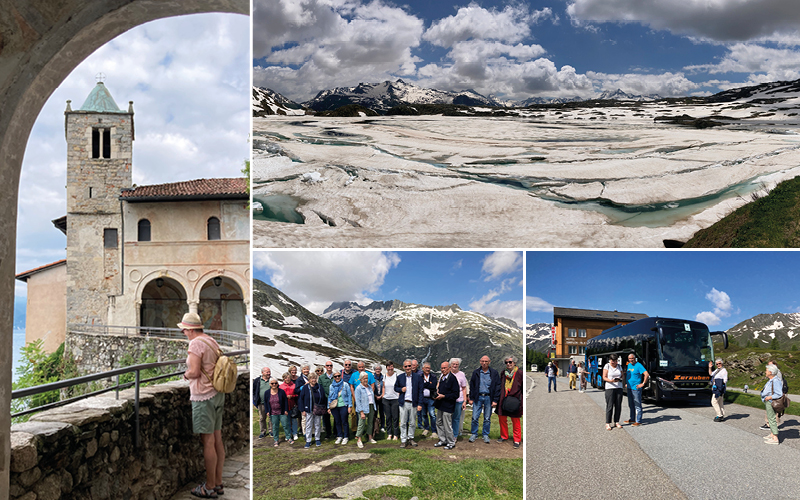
pixel 340 400
pixel 277 407
pixel 510 404
pixel 719 379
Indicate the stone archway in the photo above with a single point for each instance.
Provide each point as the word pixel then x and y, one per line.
pixel 163 303
pixel 42 43
pixel 222 305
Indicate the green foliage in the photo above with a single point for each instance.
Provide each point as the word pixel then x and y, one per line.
pixel 39 368
pixel 246 173
pixel 434 476
pixel 768 222
pixel 145 355
pixel 535 358
pixel 775 345
pixel 794 347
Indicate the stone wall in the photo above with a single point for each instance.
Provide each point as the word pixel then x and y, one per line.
pixel 94 353
pixel 86 450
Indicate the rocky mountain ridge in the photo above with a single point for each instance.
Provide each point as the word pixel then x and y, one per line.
pixel 537 336
pixel 267 102
pixel 763 328
pixel 286 333
pixel 397 330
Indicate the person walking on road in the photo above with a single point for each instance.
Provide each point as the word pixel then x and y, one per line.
pixel 636 377
pixel 572 370
pixel 612 376
pixel 552 372
pixel 719 379
pixel 772 390
pixel 581 377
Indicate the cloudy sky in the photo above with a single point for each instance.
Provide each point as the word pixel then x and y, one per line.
pixel 486 282
pixel 719 288
pixel 517 49
pixel 189 79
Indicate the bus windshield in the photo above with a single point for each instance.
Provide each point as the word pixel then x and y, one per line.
pixel 683 344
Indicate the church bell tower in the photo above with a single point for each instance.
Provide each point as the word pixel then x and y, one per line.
pixel 99 153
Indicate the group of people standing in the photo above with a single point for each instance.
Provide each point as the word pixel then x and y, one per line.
pixel 394 403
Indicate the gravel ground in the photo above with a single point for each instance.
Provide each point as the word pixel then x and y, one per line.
pixel 679 452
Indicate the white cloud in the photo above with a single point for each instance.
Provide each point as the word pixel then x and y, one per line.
pixel 665 84
pixel 708 317
pixel 512 24
pixel 723 307
pixel 511 309
pixel 332 43
pixel 497 264
pixel 771 64
pixel 315 279
pixel 721 301
pixel 719 20
pixel 537 304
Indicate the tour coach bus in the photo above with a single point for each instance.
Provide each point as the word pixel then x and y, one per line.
pixel 675 352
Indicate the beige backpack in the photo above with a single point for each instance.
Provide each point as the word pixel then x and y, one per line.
pixel 225 372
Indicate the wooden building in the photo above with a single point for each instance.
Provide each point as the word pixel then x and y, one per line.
pixel 574 327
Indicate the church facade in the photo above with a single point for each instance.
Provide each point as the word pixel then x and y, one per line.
pixel 142 256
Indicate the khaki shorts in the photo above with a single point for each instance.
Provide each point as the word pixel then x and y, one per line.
pixel 207 415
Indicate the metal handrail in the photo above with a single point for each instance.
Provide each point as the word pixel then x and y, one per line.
pixel 62 384
pixel 223 337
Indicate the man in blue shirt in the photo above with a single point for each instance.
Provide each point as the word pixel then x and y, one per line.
pixel 636 377
pixel 484 393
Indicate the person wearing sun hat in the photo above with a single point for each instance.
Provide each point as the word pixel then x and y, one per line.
pixel 207 403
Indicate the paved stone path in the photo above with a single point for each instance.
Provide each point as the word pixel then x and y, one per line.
pixel 679 452
pixel 235 477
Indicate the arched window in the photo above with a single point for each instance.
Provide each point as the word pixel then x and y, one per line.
pixel 144 230
pixel 213 229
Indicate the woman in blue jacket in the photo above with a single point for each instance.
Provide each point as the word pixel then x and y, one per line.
pixel 365 409
pixel 340 399
pixel 312 402
pixel 276 405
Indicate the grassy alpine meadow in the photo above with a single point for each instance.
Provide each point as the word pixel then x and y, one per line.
pixel 470 471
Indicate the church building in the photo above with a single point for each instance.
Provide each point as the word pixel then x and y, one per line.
pixel 138 256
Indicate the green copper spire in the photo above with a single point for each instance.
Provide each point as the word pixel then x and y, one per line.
pixel 100 101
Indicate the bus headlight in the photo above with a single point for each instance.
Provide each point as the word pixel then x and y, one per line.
pixel 666 384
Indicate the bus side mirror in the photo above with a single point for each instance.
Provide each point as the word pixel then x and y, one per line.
pixel 724 338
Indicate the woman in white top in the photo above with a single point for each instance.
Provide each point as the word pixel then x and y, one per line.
pixel 612 376
pixel 581 377
pixel 718 392
pixel 391 406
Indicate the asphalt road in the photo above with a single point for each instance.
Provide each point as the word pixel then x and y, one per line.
pixel 679 452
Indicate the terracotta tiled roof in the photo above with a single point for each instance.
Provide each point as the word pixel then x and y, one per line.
pixel 235 188
pixel 27 274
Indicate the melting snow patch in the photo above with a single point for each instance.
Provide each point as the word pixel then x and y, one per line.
pixel 274 309
pixel 312 177
pixel 292 320
pixel 791 334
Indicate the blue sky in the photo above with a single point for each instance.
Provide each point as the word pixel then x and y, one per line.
pixel 519 49
pixel 487 282
pixel 719 288
pixel 189 79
